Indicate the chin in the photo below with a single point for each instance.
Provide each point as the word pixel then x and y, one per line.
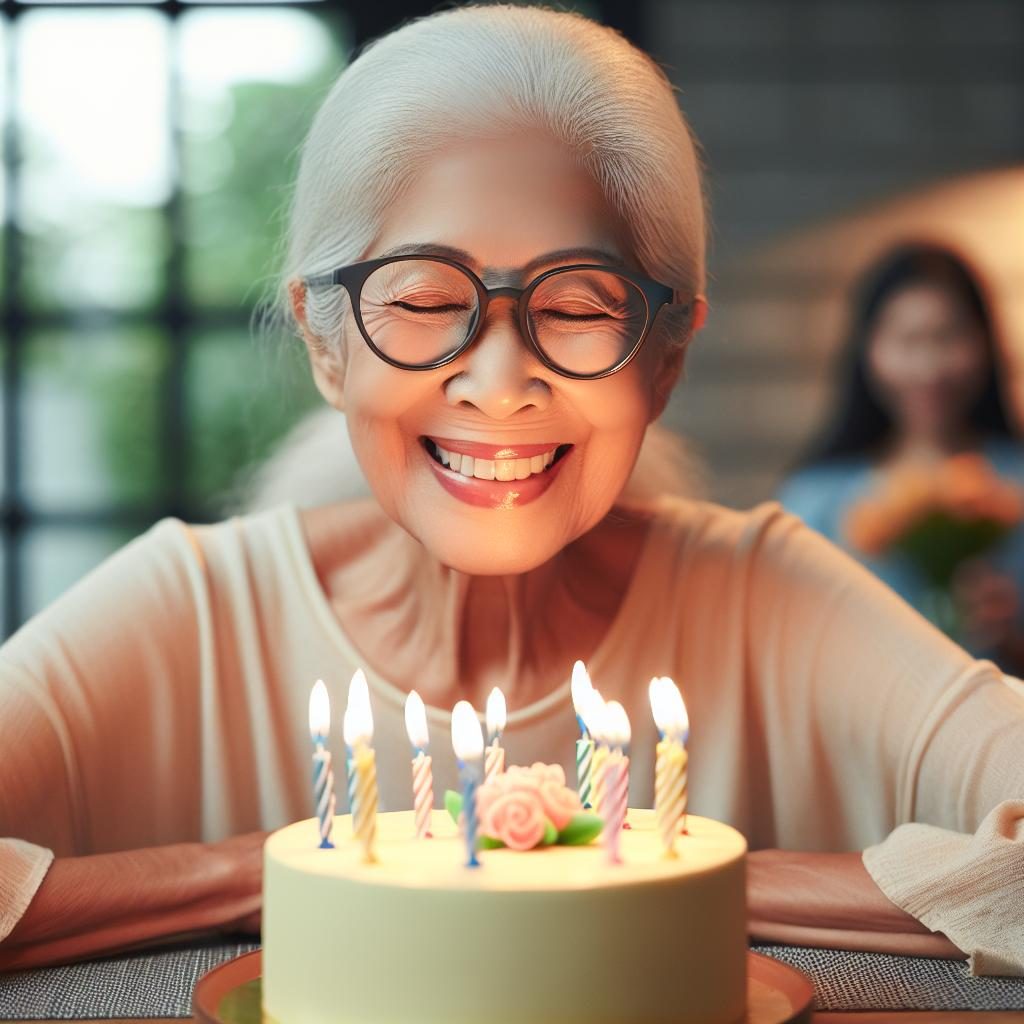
pixel 493 551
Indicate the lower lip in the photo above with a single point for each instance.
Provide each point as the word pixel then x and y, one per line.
pixel 495 494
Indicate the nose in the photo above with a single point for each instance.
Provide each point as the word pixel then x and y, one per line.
pixel 498 375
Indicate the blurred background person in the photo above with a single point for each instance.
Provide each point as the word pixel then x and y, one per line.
pixel 918 469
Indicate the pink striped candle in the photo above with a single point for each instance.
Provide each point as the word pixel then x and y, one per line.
pixel 422 772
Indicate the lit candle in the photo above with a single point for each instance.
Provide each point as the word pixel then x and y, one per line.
pixel 582 702
pixel 615 733
pixel 468 743
pixel 422 773
pixel 323 777
pixel 670 772
pixel 595 715
pixel 359 737
pixel 497 717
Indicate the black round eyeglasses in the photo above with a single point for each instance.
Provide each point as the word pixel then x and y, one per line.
pixel 583 321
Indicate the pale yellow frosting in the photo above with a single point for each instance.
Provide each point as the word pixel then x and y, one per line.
pixel 553 935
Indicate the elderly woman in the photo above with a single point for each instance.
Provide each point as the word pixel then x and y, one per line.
pixel 496 262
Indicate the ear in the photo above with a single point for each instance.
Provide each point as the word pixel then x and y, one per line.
pixel 673 359
pixel 327 370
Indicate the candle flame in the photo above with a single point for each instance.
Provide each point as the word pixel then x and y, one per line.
pixel 614 728
pixel 467 736
pixel 416 721
pixel 358 721
pixel 497 713
pixel 319 711
pixel 582 688
pixel 669 709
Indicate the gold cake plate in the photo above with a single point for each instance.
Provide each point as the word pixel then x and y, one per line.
pixel 230 993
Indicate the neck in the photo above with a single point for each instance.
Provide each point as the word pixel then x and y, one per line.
pixel 452 636
pixel 931 446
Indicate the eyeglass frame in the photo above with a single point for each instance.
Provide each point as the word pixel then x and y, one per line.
pixel 354 276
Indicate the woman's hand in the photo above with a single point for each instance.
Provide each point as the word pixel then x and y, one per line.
pixel 830 900
pixel 989 605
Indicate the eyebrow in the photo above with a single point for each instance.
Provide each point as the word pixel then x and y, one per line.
pixel 558 256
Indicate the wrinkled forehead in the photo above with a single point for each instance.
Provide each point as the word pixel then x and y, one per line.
pixel 507 207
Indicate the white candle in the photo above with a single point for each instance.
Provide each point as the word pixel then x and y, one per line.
pixel 422 772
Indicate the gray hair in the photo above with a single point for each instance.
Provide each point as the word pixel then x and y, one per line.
pixel 478 71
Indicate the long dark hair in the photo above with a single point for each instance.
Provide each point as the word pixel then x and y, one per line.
pixel 860 425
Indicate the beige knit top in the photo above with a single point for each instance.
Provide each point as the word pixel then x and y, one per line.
pixel 165 697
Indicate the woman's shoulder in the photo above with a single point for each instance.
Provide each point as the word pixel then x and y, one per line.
pixel 818 493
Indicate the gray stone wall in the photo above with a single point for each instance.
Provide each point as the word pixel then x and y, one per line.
pixel 824 123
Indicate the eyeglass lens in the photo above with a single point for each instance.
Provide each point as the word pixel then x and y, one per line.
pixel 417 312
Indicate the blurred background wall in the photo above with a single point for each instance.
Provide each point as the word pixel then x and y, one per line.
pixel 145 156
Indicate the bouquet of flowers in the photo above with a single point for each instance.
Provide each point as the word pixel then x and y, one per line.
pixel 939 520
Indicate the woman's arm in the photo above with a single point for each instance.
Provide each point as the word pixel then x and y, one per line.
pixel 884 735
pixel 830 900
pixel 110 902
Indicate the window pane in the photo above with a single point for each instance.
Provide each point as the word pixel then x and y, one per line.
pixel 90 417
pixel 245 110
pixel 54 558
pixel 93 122
pixel 241 399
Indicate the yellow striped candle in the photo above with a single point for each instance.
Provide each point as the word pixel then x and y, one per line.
pixel 359 737
pixel 670 772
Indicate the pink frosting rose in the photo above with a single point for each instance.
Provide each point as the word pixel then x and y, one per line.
pixel 515 806
pixel 516 817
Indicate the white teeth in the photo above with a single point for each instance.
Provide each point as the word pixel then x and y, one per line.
pixel 494 469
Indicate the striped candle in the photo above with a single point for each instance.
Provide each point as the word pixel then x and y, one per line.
pixel 586 702
pixel 496 716
pixel 422 772
pixel 616 801
pixel 468 743
pixel 358 727
pixel 613 780
pixel 323 776
pixel 670 771
pixel 584 766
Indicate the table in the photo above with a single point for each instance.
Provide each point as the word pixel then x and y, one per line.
pixel 156 986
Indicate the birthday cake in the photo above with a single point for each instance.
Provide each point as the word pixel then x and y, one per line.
pixel 558 934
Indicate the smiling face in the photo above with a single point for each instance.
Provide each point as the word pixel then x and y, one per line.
pixel 927 361
pixel 495 462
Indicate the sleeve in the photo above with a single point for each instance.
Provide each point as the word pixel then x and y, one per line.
pixel 898 732
pixel 94 692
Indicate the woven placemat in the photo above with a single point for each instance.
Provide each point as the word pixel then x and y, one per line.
pixel 877 981
pixel 159 984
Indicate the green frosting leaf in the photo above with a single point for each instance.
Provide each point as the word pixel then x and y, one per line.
pixel 550 834
pixel 583 828
pixel 453 804
pixel 487 843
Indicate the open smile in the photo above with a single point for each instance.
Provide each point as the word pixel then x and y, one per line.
pixel 492 476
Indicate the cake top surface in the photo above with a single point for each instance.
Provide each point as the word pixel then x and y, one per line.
pixel 439 862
